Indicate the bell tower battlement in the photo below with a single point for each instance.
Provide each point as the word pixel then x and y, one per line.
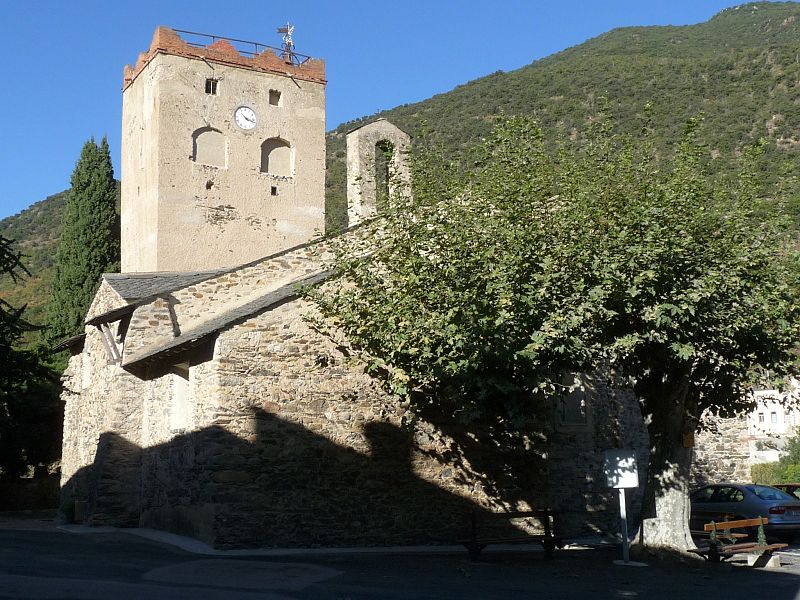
pixel 221 50
pixel 223 152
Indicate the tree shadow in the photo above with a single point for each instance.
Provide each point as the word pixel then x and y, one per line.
pixel 560 466
pixel 278 484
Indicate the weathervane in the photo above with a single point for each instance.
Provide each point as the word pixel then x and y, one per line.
pixel 288 43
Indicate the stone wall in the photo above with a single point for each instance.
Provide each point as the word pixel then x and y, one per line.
pixel 190 306
pixel 721 451
pixel 289 443
pixel 578 482
pixel 102 422
pixel 104 301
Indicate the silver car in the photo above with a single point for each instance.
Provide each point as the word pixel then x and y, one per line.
pixel 731 501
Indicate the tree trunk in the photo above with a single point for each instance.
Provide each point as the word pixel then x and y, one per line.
pixel 665 507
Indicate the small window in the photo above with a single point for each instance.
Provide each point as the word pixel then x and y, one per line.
pixel 275 97
pixel 760 417
pixel 211 86
pixel 773 417
pixel 273 191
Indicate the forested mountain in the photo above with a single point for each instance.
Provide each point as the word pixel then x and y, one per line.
pixel 35 231
pixel 740 69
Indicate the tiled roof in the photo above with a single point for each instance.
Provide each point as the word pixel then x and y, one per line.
pixel 142 286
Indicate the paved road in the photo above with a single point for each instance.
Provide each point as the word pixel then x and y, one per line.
pixel 42 562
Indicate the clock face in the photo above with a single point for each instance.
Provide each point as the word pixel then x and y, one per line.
pixel 245 117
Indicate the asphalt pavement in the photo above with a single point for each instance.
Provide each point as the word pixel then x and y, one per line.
pixel 39 560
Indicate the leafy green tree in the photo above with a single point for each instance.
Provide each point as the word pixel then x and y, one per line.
pixel 478 293
pixel 768 473
pixel 30 413
pixel 89 244
pixel 791 451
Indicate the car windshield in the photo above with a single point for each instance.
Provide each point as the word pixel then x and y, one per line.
pixel 770 493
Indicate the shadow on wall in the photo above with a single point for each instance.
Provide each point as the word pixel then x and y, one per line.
pixel 284 486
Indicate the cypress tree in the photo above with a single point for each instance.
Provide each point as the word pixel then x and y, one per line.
pixel 89 244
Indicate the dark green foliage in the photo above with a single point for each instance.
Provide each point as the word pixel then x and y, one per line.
pixel 484 290
pixel 740 69
pixel 30 413
pixel 89 243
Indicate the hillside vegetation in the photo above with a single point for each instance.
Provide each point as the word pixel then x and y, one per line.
pixel 35 231
pixel 740 69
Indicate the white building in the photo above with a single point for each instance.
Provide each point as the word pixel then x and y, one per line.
pixel 775 419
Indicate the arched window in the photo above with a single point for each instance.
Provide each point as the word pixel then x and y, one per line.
pixel 209 147
pixel 277 157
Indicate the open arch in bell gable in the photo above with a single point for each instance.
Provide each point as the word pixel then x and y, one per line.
pixel 377 167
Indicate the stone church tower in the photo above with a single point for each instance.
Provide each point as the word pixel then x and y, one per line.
pixel 223 155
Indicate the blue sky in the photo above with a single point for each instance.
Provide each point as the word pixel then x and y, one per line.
pixel 61 62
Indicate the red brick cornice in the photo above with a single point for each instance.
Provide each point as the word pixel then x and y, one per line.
pixel 223 52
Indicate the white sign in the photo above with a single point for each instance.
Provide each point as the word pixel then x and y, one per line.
pixel 620 469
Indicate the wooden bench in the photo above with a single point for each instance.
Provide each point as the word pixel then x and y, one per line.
pixel 481 534
pixel 726 537
pixel 722 543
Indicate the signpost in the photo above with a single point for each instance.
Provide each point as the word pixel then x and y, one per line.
pixel 622 473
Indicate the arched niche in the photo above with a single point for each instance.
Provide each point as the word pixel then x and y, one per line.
pixel 376 168
pixel 209 147
pixel 277 157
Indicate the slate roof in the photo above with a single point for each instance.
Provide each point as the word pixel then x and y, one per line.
pixel 74 343
pixel 139 286
pixel 225 319
pixel 135 286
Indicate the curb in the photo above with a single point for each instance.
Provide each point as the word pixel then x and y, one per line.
pixel 197 547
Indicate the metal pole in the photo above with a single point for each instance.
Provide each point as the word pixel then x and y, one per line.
pixel 623 515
